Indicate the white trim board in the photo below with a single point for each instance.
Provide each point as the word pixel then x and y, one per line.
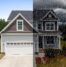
pixel 17 34
pixel 19 14
pixel 22 25
pixel 18 41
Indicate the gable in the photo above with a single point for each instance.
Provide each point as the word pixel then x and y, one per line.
pixel 50 16
pixel 11 27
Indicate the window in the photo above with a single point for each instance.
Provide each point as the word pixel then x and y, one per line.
pixel 19 25
pixel 49 26
pixel 39 26
pixel 49 40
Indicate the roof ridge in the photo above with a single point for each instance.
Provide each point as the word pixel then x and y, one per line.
pixel 27 14
pixel 22 10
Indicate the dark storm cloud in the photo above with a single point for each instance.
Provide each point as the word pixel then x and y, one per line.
pixel 50 3
pixel 59 6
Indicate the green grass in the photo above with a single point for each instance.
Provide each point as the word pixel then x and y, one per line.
pixel 1 55
pixel 63 43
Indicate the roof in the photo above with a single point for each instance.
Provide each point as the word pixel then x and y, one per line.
pixel 30 15
pixel 27 14
pixel 40 13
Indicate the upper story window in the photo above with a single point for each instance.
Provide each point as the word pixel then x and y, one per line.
pixel 49 26
pixel 19 25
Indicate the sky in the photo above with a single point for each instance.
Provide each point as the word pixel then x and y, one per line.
pixel 6 6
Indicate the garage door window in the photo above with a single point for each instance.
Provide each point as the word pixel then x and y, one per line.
pixel 24 43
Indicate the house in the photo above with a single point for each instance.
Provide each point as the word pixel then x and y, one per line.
pixel 17 36
pixel 46 23
pixel 27 33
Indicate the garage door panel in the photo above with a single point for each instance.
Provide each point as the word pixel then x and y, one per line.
pixel 19 48
pixel 10 38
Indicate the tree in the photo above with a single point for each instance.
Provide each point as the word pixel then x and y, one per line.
pixel 3 23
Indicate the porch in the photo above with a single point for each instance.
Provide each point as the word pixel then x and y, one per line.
pixel 47 42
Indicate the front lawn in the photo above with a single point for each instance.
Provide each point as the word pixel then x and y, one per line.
pixel 1 55
pixel 59 61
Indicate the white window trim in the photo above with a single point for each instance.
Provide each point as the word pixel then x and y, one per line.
pixel 49 23
pixel 22 25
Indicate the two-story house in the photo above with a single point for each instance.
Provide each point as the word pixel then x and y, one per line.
pixel 28 32
pixel 46 24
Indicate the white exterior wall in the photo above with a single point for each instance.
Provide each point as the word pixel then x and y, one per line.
pixel 15 37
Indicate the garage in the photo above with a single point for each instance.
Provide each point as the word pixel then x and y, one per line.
pixel 19 48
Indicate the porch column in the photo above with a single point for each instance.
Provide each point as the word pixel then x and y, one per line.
pixel 59 42
pixel 37 44
pixel 43 42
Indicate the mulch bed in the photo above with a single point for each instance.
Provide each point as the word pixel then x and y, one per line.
pixel 39 60
pixel 47 60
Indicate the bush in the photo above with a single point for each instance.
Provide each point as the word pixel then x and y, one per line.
pixel 52 52
pixel 64 50
pixel 36 53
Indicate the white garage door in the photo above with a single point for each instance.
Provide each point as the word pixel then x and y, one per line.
pixel 19 48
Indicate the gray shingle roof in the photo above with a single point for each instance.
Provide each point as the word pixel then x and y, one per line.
pixel 30 15
pixel 27 14
pixel 40 13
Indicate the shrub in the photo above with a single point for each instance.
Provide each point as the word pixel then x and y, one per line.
pixel 36 53
pixel 52 52
pixel 64 50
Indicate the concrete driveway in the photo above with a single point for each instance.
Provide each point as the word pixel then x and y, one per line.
pixel 17 61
